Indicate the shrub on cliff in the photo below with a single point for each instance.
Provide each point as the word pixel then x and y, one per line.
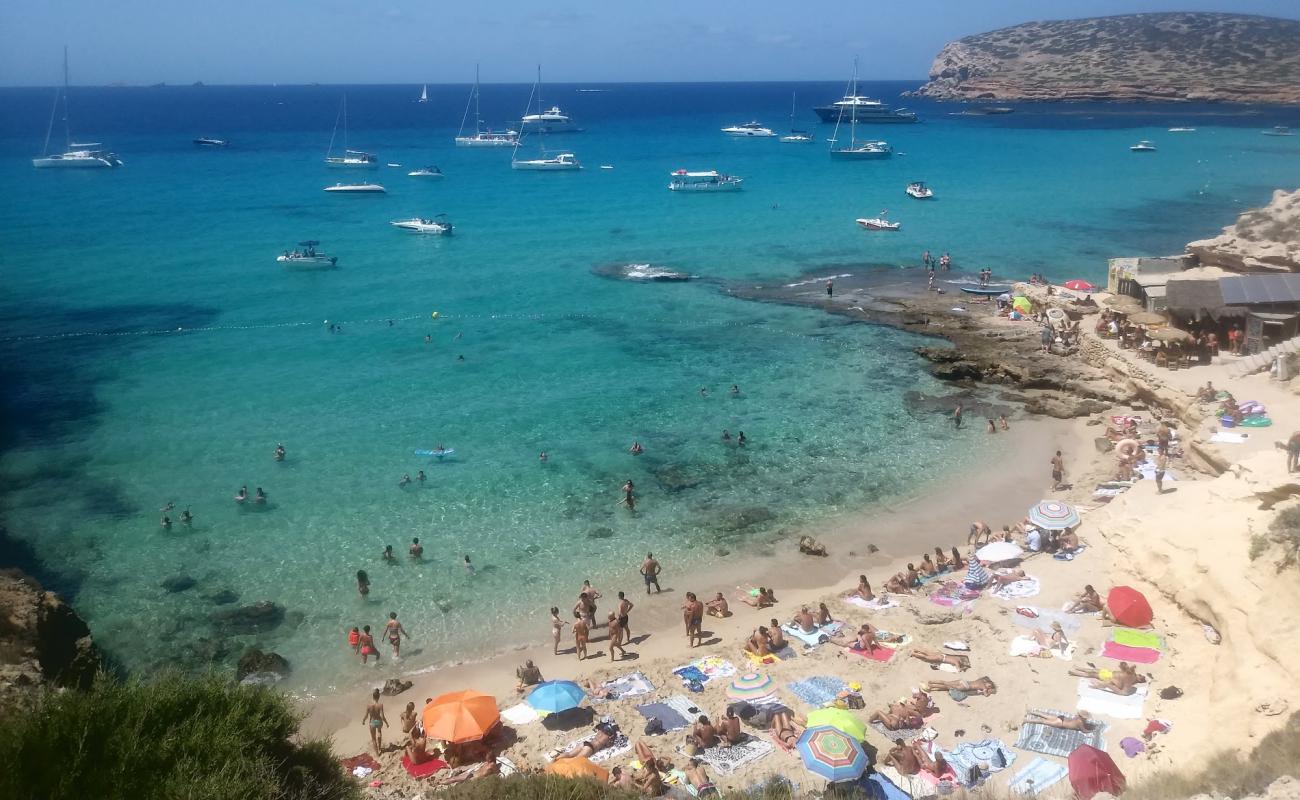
pixel 166 738
pixel 1285 532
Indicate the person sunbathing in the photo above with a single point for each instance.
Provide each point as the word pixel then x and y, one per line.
pixel 864 642
pixel 528 675
pixel 1087 602
pixel 763 599
pixel 898 584
pixel 1069 541
pixel 717 607
pixel 703 735
pixel 1056 640
pixel 980 686
pixel 804 621
pixel 863 589
pixel 927 567
pixel 699 779
pixel 922 703
pixel 962 663
pixel 811 547
pixel 758 642
pixel 894 720
pixel 936 766
pixel 1123 681
pixel 776 640
pixel 786 729
pixel 588 748
pixel 824 615
pixel 903 758
pixel 1006 576
pixel 941 561
pixel 648 779
pixel 1084 723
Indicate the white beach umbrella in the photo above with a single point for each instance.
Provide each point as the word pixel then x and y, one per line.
pixel 999 551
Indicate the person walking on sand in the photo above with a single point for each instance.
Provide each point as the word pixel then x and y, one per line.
pixel 650 572
pixel 615 637
pixel 1293 452
pixel 394 632
pixel 375 720
pixel 624 609
pixel 1058 471
pixel 956 417
pixel 557 627
pixel 580 632
pixel 693 616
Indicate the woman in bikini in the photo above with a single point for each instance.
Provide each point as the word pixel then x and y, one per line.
pixel 366 646
pixel 1083 723
pixel 824 615
pixel 1056 640
pixel 409 718
pixel 557 625
pixel 962 663
pixel 980 686
pixel 864 642
pixel 375 720
pixel 394 632
pixel 863 589
pixel 941 561
pixel 785 729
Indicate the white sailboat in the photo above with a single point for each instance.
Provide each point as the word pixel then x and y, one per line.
pixel 856 151
pixel 424 94
pixel 482 137
pixel 351 159
pixel 795 135
pixel 78 155
pixel 561 161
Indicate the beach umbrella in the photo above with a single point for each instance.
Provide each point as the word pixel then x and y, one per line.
pixel 580 767
pixel 1170 335
pixel 832 754
pixel 1080 285
pixel 1092 772
pixel 1021 304
pixel 1129 607
pixel 750 686
pixel 464 716
pixel 1053 515
pixel 556 696
pixel 840 720
pixel 999 551
pixel 1148 318
pixel 1123 303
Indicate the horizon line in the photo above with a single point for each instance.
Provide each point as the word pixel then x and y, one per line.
pixel 206 84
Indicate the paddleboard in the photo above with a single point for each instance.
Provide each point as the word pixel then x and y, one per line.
pixel 986 291
pixel 435 453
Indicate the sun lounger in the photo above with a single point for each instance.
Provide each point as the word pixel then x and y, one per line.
pixel 1045 739
pixel 1038 775
pixel 1097 701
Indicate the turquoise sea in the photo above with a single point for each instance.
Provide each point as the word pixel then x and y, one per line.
pixel 153 351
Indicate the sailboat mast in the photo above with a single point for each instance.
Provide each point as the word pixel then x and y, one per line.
pixel 345 126
pixel 478 115
pixel 67 128
pixel 335 132
pixel 853 109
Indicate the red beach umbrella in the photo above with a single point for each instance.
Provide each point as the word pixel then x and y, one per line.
pixel 1080 285
pixel 1129 607
pixel 1092 771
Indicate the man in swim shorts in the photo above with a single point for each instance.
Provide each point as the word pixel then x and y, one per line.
pixel 650 571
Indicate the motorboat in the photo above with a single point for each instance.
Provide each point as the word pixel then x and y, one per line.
pixel 424 94
pixel 796 136
pixel 986 111
pixel 356 188
pixel 879 224
pixel 1143 146
pixel 919 190
pixel 855 150
pixel 307 258
pixel 351 159
pixel 482 137
pixel 558 162
pixel 1182 130
pixel 552 120
pixel 1278 130
pixel 426 172
pixel 421 225
pixel 78 155
pixel 711 181
pixel 749 129
pixel 205 141
pixel 853 107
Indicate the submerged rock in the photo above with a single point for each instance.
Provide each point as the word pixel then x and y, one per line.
pixel 257 662
pixel 600 533
pixel 395 686
pixel 674 478
pixel 179 583
pixel 222 597
pixel 256 618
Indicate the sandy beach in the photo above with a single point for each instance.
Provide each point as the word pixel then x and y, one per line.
pixel 1186 549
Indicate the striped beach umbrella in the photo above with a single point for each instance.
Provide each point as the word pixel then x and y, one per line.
pixel 749 686
pixel 1053 515
pixel 832 754
pixel 554 696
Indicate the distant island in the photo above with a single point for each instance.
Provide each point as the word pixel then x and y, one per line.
pixel 1174 57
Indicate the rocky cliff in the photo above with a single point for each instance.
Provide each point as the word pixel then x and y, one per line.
pixel 1262 239
pixel 42 643
pixel 1232 58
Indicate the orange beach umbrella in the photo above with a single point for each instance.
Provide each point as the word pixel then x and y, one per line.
pixel 580 767
pixel 464 716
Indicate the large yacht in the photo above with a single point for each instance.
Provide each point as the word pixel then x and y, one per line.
pixel 79 155
pixel 552 120
pixel 856 108
pixel 482 137
pixel 856 150
pixel 711 181
pixel 543 163
pixel 749 129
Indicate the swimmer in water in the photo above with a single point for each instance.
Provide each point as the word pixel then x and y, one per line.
pixel 243 494
pixel 740 439
pixel 261 495
pixel 428 339
pixel 735 390
pixel 416 549
pixel 460 358
pixel 419 476
pixel 166 522
pixel 704 392
pixel 405 481
pixel 542 456
pixel 726 435
pixel 468 566
pixel 388 553
pixel 168 507
pixel 186 517
pixel 636 449
pixel 439 450
pixel 279 452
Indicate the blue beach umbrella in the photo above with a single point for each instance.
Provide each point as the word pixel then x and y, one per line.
pixel 832 754
pixel 553 696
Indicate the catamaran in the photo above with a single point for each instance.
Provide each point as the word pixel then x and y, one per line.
pixel 561 161
pixel 79 155
pixel 856 150
pixel 796 135
pixel 482 137
pixel 351 159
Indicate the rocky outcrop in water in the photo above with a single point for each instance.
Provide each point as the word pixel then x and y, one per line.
pixel 259 617
pixel 1173 57
pixel 1262 239
pixel 263 667
pixel 43 643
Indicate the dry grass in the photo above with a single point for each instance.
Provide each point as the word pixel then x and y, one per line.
pixel 1285 532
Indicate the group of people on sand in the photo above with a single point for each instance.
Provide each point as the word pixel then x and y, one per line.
pixel 649 773
pixel 617 624
pixel 415 745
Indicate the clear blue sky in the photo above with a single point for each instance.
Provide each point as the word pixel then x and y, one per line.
pixel 412 41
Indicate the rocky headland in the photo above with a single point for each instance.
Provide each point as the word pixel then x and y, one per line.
pixel 43 643
pixel 1169 57
pixel 1261 240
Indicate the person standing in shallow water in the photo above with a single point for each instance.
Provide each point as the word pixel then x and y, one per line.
pixel 830 288
pixel 650 571
pixel 376 721
pixel 363 583
pixel 956 417
pixel 394 631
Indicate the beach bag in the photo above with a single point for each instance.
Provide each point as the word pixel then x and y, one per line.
pixel 654 727
pixel 695 686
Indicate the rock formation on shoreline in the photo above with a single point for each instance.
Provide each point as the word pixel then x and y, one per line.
pixel 1170 57
pixel 43 643
pixel 1262 239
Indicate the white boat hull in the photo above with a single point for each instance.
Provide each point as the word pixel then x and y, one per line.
pixel 749 134
pixel 365 188
pixel 879 225
pixel 798 139
pixel 431 228
pixel 308 262
pixel 860 155
pixel 88 162
pixel 546 165
pixel 425 175
pixel 474 141
pixel 733 186
pixel 347 163
pixel 923 194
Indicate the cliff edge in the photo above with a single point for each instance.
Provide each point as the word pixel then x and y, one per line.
pixel 1173 57
pixel 1261 240
pixel 43 643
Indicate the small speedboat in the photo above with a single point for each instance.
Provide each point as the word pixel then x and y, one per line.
pixel 559 162
pixel 919 190
pixel 749 129
pixel 356 188
pixel 426 172
pixel 1278 130
pixel 205 141
pixel 1143 146
pixel 421 225
pixel 879 224
pixel 306 258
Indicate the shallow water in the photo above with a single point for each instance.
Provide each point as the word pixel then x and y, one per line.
pixel 109 416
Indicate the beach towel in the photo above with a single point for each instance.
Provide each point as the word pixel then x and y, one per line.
pixel 706 669
pixel 763 661
pixel 1064 556
pixel 668 716
pixel 1070 623
pixel 984 753
pixel 1123 652
pixel 1051 741
pixel 906 734
pixel 881 654
pixel 819 690
pixel 683 705
pixel 1029 646
pixel 506 766
pixel 522 714
pixel 1038 775
pixel 1026 587
pixel 952 594
pixel 1136 638
pixel 819 634
pixel 424 770
pixel 621 745
pixel 881 603
pixel 632 685
pixel 726 760
pixel 1225 437
pixel 1096 701
pixel 904 786
pixel 892 640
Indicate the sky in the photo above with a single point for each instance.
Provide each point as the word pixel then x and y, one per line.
pixel 419 41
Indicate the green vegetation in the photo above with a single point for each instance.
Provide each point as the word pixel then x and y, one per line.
pixel 549 787
pixel 172 737
pixel 1285 532
pixel 1228 774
